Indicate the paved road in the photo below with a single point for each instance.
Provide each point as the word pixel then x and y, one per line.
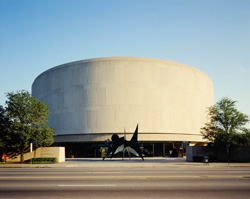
pixel 20 183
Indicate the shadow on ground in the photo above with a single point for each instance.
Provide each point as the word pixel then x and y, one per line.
pixel 127 160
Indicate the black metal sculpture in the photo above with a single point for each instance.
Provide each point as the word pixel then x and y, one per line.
pixel 118 142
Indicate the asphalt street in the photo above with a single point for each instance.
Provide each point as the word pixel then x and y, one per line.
pixel 203 182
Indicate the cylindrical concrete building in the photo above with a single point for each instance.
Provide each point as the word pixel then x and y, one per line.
pixel 92 99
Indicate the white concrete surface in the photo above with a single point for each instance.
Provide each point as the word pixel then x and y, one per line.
pixel 92 99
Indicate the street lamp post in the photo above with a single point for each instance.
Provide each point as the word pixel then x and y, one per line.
pixel 228 154
pixel 31 149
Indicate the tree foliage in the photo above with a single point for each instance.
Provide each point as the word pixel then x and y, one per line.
pixel 23 121
pixel 225 125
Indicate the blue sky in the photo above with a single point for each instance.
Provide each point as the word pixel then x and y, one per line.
pixel 210 35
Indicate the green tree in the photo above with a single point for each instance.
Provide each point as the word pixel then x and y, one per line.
pixel 225 125
pixel 23 121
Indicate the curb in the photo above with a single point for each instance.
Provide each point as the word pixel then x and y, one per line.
pixel 119 165
pixel 126 163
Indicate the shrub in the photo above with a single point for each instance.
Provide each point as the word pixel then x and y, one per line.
pixel 44 160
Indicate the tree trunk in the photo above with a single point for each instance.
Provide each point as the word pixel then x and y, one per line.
pixel 22 156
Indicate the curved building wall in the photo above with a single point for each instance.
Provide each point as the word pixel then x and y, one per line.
pixel 92 99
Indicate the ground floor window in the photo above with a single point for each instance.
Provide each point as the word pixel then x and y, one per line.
pixel 98 149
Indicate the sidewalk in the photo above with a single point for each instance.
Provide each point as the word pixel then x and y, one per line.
pixel 126 163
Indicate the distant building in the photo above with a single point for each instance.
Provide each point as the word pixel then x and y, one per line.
pixel 92 99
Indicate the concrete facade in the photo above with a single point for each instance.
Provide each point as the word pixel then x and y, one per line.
pixel 42 152
pixel 92 99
